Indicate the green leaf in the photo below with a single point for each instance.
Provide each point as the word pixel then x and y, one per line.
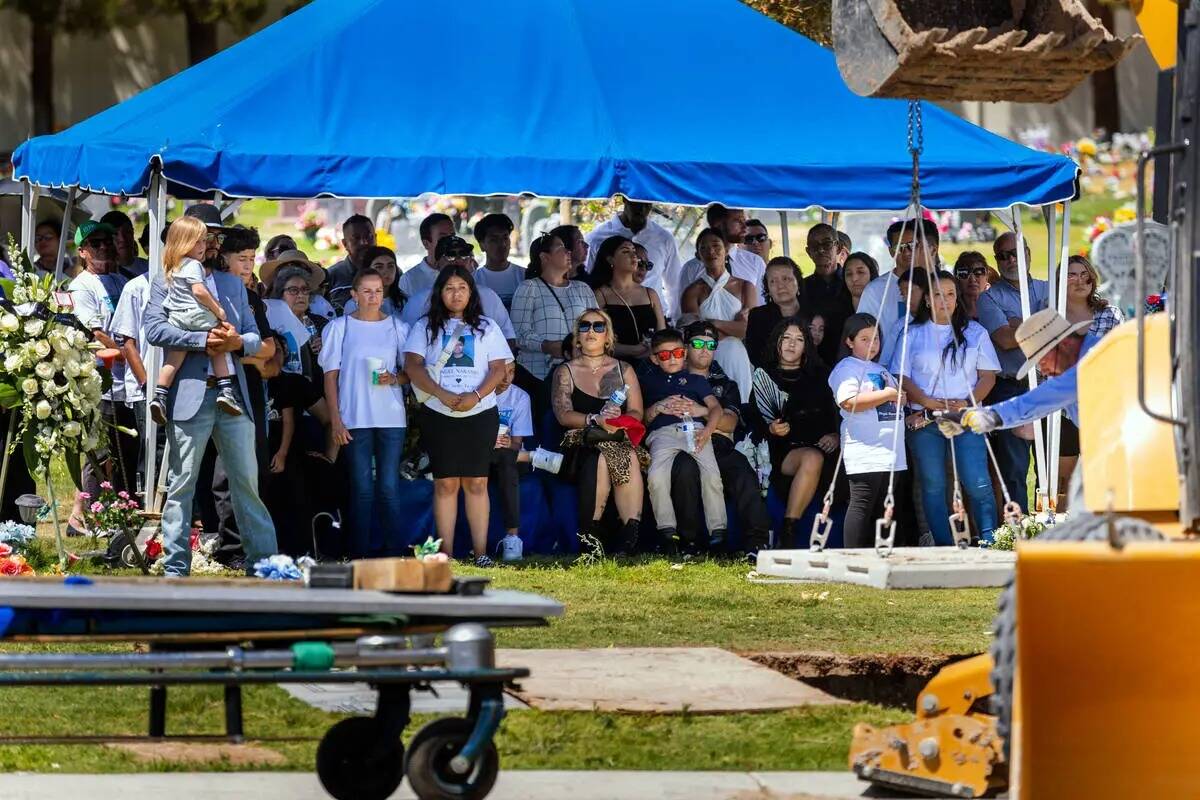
pixel 31 457
pixel 10 396
pixel 106 379
pixel 71 457
pixel 8 285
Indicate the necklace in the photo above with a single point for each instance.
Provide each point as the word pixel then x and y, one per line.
pixel 595 368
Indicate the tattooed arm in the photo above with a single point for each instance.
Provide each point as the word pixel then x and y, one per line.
pixel 560 399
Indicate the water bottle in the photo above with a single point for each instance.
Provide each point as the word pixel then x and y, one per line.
pixel 615 401
pixel 688 426
pixel 511 548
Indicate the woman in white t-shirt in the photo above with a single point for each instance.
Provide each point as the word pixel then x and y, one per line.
pixel 949 362
pixel 455 357
pixel 361 358
pixel 872 448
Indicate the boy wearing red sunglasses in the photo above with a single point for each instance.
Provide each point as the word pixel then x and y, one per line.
pixel 673 398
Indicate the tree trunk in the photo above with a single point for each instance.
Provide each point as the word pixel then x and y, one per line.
pixel 201 37
pixel 1106 101
pixel 41 77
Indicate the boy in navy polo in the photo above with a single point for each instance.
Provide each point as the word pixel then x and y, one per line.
pixel 673 398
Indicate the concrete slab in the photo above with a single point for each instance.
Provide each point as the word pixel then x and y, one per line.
pixel 359 698
pixel 512 785
pixel 905 568
pixel 705 680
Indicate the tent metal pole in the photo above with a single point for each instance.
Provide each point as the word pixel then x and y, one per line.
pixel 157 202
pixel 1039 449
pixel 1053 280
pixel 63 233
pixel 29 200
pixel 783 232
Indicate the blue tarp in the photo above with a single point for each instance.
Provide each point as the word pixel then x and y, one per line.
pixel 676 101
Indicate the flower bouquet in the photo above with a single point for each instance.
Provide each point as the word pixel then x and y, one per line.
pixel 51 381
pixel 1005 536
pixel 111 512
pixel 312 218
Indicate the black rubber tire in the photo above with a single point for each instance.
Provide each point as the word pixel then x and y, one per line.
pixel 354 764
pixel 1080 527
pixel 428 763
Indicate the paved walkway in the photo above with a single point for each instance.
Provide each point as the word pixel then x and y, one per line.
pixel 513 785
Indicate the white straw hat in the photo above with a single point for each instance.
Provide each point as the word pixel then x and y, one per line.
pixel 1039 334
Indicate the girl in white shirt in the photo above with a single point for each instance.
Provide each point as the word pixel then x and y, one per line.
pixel 948 363
pixel 456 357
pixel 870 402
pixel 360 357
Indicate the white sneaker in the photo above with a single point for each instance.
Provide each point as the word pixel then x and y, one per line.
pixel 546 460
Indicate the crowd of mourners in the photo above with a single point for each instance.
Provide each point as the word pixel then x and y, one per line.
pixel 612 362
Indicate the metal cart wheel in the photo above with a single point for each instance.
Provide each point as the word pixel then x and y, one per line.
pixel 356 760
pixel 430 773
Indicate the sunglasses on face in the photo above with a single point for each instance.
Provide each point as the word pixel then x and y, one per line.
pixel 645 264
pixel 905 247
pixel 97 241
pixel 598 326
pixel 827 244
pixel 667 355
pixel 1005 255
pixel 967 272
pixel 703 344
pixel 755 238
pixel 459 255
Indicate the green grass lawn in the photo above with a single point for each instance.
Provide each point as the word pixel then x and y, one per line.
pixel 648 602
pixel 800 739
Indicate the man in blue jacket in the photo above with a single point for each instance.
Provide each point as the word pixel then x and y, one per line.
pixel 191 405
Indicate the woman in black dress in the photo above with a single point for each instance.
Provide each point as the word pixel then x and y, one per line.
pixel 795 408
pixel 635 310
pixel 783 287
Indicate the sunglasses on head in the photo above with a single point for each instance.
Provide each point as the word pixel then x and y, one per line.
pixel 703 344
pixel 755 238
pixel 596 325
pixel 645 264
pixel 967 272
pixel 667 355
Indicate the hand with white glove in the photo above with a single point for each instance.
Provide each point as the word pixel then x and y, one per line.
pixel 980 420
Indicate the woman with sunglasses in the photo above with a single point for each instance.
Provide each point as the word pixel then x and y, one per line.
pixel 793 406
pixel 544 310
pixel 725 301
pixel 971 269
pixel 635 310
pixel 582 398
pixel 1083 303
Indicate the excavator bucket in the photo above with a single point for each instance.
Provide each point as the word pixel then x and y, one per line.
pixel 1027 51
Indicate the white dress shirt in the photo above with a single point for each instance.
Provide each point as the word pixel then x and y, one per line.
pixel 661 249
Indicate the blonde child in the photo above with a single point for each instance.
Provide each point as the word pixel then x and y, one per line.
pixel 870 401
pixel 191 306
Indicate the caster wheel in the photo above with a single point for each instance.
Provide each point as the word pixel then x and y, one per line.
pixel 119 552
pixel 355 763
pixel 428 763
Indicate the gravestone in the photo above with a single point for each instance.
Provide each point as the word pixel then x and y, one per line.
pixel 1112 255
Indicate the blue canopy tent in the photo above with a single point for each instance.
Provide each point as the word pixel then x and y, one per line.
pixel 560 98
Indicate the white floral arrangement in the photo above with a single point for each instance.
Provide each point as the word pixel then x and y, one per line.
pixel 1005 536
pixel 50 373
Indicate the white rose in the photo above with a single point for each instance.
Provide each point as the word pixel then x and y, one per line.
pixel 9 323
pixel 72 429
pixel 30 386
pixel 13 362
pixel 50 388
pixel 71 369
pixel 60 342
pixel 42 348
pixel 44 370
pixel 76 337
pixel 42 409
pixel 87 367
pixel 33 327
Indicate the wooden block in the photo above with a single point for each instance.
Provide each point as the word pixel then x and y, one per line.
pixel 401 575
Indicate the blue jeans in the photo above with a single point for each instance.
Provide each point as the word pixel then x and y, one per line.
pixel 234 437
pixel 374 456
pixel 929 447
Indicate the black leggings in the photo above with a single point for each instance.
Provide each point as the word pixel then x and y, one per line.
pixel 868 491
pixel 504 474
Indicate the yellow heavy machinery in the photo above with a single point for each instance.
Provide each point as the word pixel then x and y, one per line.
pixel 1089 690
